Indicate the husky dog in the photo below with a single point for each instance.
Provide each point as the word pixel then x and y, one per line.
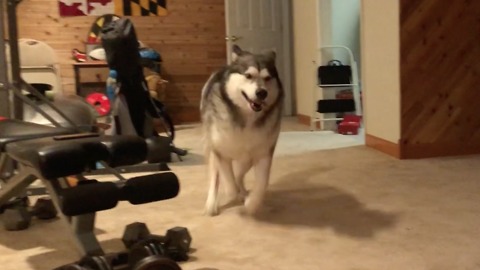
pixel 241 109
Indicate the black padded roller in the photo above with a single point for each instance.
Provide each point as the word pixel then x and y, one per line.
pixel 126 150
pixel 89 198
pixel 151 188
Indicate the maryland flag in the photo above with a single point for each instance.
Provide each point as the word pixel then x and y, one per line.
pixel 117 7
pixel 140 7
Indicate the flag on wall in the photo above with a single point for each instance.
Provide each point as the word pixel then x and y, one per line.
pixel 141 7
pixel 117 7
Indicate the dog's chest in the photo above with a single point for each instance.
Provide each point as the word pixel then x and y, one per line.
pixel 243 143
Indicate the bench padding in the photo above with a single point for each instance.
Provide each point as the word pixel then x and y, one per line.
pixel 58 158
pixel 16 130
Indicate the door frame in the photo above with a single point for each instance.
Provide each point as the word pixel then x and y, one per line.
pixel 288 79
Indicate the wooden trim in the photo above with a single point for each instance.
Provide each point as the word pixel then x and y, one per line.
pixel 418 151
pixel 382 145
pixel 184 115
pixel 305 120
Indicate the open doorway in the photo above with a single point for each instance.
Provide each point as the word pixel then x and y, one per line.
pixel 339 43
pixel 258 25
pixel 340 25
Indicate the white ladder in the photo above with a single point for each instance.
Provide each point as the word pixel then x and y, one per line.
pixel 354 85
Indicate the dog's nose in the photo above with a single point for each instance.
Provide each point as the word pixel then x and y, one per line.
pixel 261 94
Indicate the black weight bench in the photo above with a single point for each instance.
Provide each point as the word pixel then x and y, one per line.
pixel 56 153
pixel 12 130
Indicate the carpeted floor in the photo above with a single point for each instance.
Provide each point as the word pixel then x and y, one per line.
pixel 298 142
pixel 351 208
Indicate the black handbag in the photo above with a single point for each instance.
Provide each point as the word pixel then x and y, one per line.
pixel 335 105
pixel 334 73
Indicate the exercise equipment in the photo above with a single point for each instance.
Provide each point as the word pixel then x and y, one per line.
pixel 31 151
pixel 52 153
pixel 16 219
pixel 135 232
pixel 135 110
pixel 44 209
pixel 53 158
pixel 150 254
pixel 83 115
pixel 175 244
pixel 111 261
pixel 18 215
pixel 178 241
pixel 100 102
pixel 141 258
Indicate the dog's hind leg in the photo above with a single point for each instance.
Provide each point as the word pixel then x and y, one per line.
pixel 240 168
pixel 211 206
pixel 262 175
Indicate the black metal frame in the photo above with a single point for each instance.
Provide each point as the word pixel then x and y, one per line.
pixel 4 94
pixel 11 105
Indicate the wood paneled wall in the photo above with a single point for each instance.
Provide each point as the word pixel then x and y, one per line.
pixel 190 39
pixel 440 82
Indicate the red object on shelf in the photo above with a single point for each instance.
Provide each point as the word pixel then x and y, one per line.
pixel 349 125
pixel 100 102
pixel 2 118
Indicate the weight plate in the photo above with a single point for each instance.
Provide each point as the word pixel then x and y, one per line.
pixel 156 263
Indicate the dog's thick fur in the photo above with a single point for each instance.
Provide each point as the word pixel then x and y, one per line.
pixel 241 126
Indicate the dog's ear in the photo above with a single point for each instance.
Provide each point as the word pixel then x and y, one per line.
pixel 272 55
pixel 236 52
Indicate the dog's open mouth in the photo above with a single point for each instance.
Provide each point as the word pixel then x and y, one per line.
pixel 255 105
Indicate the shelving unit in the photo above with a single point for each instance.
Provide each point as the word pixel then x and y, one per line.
pixel 354 86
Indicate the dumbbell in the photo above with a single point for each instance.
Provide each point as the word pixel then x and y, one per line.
pixel 117 261
pixel 18 216
pixel 176 242
pixel 149 254
pixel 17 201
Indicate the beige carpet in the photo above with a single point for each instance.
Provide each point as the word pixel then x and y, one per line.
pixel 339 209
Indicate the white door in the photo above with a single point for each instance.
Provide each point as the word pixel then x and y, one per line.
pixel 257 25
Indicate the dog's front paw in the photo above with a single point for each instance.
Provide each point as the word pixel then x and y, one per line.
pixel 243 194
pixel 252 205
pixel 211 209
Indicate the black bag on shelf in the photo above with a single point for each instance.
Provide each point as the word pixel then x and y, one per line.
pixel 335 105
pixel 334 73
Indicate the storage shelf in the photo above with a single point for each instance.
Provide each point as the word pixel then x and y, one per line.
pixel 327 119
pixel 354 86
pixel 336 85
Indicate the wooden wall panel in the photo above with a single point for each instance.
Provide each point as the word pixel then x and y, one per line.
pixel 190 39
pixel 440 82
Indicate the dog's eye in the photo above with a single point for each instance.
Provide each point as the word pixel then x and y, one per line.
pixel 267 79
pixel 248 76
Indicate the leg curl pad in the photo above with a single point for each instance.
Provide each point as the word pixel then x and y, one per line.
pixel 55 157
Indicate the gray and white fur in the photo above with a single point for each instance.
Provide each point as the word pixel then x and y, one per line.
pixel 241 109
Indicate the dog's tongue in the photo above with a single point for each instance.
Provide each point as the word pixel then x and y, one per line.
pixel 256 106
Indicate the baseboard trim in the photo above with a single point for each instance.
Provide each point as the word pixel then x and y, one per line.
pixel 411 151
pixel 419 151
pixel 183 115
pixel 305 120
pixel 387 147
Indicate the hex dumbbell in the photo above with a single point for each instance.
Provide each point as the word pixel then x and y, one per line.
pixel 117 261
pixel 176 243
pixel 150 254
pixel 18 216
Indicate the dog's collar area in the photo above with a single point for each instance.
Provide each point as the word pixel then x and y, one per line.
pixel 254 105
